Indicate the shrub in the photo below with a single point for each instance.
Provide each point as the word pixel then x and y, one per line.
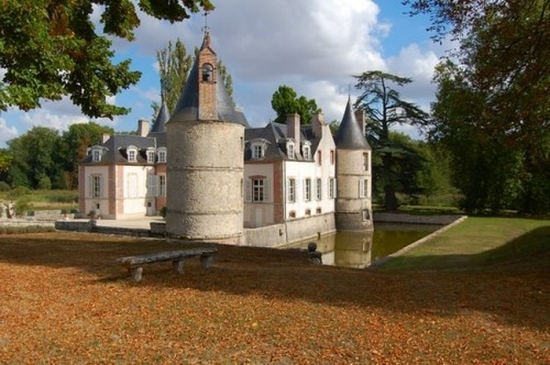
pixel 22 206
pixel 4 186
pixel 19 191
pixel 44 183
pixel 163 212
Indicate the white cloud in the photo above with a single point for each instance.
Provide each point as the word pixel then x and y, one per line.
pixel 6 133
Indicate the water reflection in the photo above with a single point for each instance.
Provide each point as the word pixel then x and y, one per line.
pixel 358 250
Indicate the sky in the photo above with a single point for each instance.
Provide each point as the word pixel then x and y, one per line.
pixel 313 46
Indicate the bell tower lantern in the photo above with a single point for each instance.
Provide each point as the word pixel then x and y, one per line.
pixel 207 61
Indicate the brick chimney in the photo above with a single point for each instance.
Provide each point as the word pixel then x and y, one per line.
pixel 143 128
pixel 293 128
pixel 317 123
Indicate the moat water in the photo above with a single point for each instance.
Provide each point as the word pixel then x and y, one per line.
pixel 358 250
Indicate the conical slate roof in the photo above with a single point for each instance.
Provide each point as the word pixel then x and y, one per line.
pixel 187 107
pixel 162 117
pixel 350 136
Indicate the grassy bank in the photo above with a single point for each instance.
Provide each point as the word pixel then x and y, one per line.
pixel 480 241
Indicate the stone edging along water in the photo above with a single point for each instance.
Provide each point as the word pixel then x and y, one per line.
pixel 383 260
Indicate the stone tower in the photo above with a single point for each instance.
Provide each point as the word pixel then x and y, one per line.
pixel 205 139
pixel 353 174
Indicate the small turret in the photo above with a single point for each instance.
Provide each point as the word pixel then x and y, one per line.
pixel 353 173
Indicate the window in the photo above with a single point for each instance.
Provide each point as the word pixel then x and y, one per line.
pixel 319 158
pixel 332 157
pixel 132 185
pixel 306 151
pixel 152 185
pixel 291 190
pixel 318 210
pixel 258 190
pixel 332 188
pixel 307 190
pixel 207 72
pixel 292 214
pixel 132 154
pixel 363 188
pixel 162 155
pixel 308 212
pixel 96 155
pixel 257 151
pixel 95 186
pixel 162 185
pixel 150 156
pixel 319 189
pixel 290 150
pixel 366 161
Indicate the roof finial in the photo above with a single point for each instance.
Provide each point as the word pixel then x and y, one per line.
pixel 205 29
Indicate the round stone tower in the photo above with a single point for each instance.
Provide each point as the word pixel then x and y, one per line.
pixel 205 164
pixel 353 174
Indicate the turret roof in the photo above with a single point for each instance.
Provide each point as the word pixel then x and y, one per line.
pixel 350 136
pixel 162 117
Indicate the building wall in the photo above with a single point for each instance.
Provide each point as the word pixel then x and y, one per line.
pixel 100 204
pixel 135 200
pixel 353 213
pixel 258 214
pixel 205 180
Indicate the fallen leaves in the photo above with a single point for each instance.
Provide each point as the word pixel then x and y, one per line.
pixel 63 300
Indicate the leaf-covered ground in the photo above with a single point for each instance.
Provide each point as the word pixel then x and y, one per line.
pixel 64 300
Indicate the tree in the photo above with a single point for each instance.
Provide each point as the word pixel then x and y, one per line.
pixel 51 49
pixel 285 101
pixel 35 156
pixel 174 65
pixel 5 163
pixel 502 68
pixel 384 108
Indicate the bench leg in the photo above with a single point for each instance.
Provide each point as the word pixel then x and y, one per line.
pixel 206 261
pixel 136 273
pixel 178 266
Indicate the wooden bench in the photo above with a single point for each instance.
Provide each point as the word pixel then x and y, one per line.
pixel 135 263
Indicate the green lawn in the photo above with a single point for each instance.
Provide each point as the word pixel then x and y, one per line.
pixel 480 241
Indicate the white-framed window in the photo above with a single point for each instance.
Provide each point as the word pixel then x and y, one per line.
pixel 132 153
pixel 290 150
pixel 291 190
pixel 363 188
pixel 332 157
pixel 151 155
pixel 96 188
pixel 258 190
pixel 307 189
pixel 258 150
pixel 131 185
pixel 162 155
pixel 332 188
pixel 319 158
pixel 96 154
pixel 306 150
pixel 318 189
pixel 162 185
pixel 366 161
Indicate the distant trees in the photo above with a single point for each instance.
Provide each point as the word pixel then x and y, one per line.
pixel 285 101
pixel 43 159
pixel 385 108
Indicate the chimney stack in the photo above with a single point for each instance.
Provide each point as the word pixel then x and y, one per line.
pixel 293 128
pixel 143 128
pixel 317 123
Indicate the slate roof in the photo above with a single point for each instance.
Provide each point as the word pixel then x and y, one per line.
pixel 350 136
pixel 187 107
pixel 276 134
pixel 162 117
pixel 115 149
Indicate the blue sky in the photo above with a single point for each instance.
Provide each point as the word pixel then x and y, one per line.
pixel 312 46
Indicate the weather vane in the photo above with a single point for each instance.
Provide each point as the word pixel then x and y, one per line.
pixel 205 28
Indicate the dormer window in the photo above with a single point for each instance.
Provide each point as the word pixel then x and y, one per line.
pixel 207 72
pixel 162 155
pixel 151 155
pixel 306 150
pixel 132 154
pixel 96 154
pixel 257 151
pixel 290 150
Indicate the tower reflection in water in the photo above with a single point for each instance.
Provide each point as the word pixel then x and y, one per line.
pixel 358 250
